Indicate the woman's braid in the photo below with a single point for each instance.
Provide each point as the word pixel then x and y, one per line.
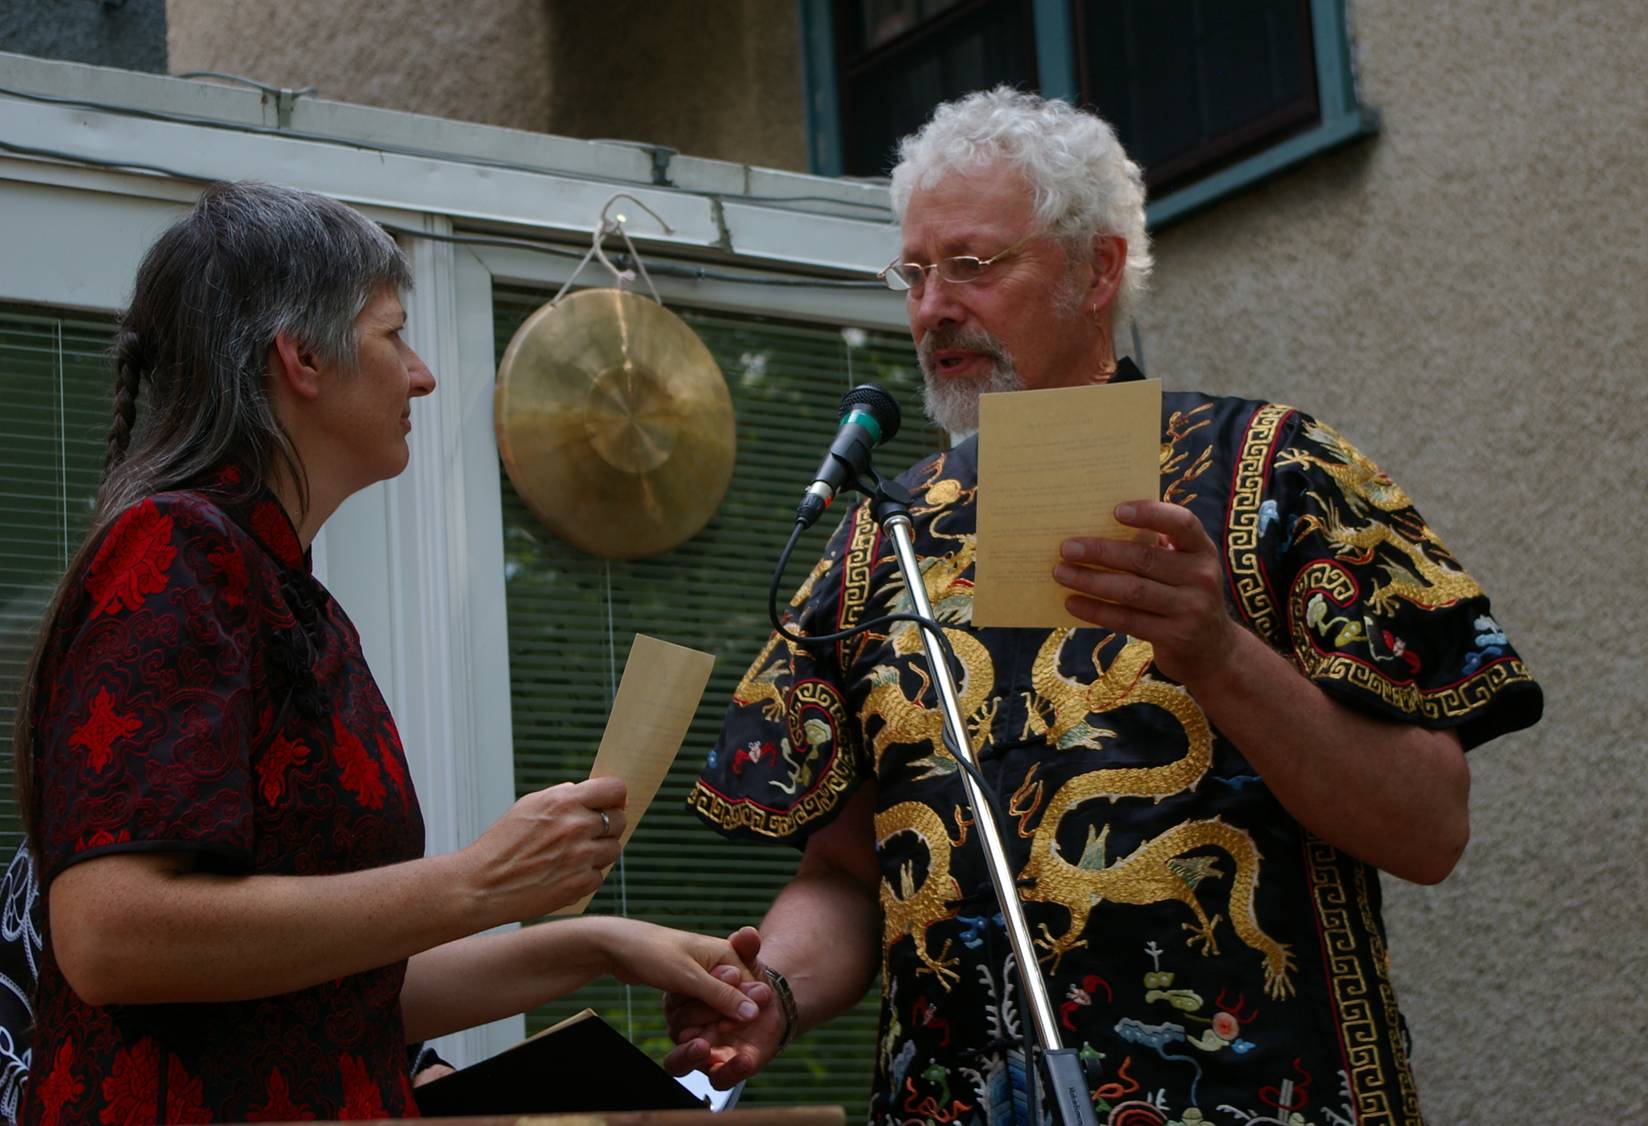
pixel 129 363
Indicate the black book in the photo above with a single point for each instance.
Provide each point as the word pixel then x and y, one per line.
pixel 580 1065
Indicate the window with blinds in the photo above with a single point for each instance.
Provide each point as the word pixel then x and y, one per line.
pixel 54 426
pixel 571 618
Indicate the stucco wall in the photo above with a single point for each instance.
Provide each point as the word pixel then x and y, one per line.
pixel 485 65
pixel 711 78
pixel 1464 296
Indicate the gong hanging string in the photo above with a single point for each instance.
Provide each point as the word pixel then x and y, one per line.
pixel 616 224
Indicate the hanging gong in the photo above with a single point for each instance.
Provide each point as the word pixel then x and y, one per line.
pixel 614 424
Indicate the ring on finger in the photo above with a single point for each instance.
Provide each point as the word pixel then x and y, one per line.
pixel 606 825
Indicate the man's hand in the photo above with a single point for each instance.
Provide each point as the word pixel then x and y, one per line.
pixel 1169 593
pixel 726 1051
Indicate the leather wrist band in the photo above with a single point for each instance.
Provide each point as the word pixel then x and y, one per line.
pixel 786 1003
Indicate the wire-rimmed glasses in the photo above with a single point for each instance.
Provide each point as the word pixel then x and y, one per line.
pixel 910 277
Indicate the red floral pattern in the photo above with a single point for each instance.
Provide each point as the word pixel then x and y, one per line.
pixel 132 1090
pixel 131 1093
pixel 392 766
pixel 234 718
pixel 360 774
pixel 280 1107
pixel 101 839
pixel 60 1088
pixel 232 566
pixel 362 1098
pixel 271 769
pixel 132 563
pixel 97 735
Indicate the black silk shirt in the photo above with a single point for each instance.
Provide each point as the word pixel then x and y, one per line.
pixel 1205 954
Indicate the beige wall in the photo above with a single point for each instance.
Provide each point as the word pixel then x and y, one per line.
pixel 1465 297
pixel 711 78
pixel 398 54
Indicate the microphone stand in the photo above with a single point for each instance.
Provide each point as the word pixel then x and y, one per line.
pixel 1065 1087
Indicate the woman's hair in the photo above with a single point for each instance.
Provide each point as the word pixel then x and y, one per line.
pixel 1083 181
pixel 191 389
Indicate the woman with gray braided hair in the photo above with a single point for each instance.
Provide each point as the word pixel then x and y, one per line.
pixel 240 922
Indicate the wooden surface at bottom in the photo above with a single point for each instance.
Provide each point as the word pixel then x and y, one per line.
pixel 766 1116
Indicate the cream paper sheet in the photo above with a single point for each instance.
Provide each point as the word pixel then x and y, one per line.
pixel 1054 464
pixel 657 697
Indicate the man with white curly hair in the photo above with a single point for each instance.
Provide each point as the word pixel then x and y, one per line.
pixel 1273 706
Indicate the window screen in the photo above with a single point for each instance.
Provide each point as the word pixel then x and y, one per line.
pixel 571 618
pixel 54 424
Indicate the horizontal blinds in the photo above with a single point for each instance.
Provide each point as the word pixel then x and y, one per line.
pixel 571 618
pixel 54 423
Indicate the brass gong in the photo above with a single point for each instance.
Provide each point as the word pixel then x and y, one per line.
pixel 614 424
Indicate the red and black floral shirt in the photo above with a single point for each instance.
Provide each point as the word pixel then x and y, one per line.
pixel 203 693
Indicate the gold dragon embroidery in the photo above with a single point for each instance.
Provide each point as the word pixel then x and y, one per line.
pixel 1428 584
pixel 1428 581
pixel 1362 482
pixel 904 719
pixel 1060 705
pixel 760 682
pixel 907 721
pixel 910 908
pixel 1155 872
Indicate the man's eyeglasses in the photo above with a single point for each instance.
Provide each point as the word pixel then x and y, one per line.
pixel 911 276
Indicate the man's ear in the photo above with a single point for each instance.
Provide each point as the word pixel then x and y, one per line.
pixel 1109 257
pixel 294 366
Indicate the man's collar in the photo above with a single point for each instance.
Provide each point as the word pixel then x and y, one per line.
pixel 1126 371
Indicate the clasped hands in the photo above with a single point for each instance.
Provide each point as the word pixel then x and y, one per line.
pixel 726 1050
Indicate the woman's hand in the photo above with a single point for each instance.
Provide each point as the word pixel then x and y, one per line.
pixel 551 848
pixel 719 972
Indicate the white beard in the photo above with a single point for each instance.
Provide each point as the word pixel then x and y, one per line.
pixel 952 404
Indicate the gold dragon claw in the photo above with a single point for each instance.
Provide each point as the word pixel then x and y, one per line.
pixel 942 967
pixel 1279 964
pixel 1201 935
pixel 1056 948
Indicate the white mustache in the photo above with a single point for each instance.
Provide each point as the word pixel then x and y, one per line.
pixel 971 339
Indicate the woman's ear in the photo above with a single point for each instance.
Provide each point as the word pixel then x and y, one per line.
pixel 294 368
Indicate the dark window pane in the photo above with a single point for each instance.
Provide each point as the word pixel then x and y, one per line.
pixel 1194 85
pixel 895 68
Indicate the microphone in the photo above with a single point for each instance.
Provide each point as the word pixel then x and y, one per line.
pixel 869 417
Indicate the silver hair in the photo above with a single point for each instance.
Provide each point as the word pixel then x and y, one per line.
pixel 1083 181
pixel 249 262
